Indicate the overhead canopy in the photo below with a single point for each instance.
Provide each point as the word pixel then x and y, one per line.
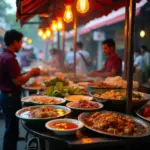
pixel 26 9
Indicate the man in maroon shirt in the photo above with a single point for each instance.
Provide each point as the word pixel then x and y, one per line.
pixel 11 81
pixel 113 64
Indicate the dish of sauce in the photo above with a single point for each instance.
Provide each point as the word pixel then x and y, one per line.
pixel 63 126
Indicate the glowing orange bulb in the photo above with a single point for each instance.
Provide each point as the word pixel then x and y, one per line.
pixel 40 32
pixel 48 32
pixel 54 25
pixel 60 24
pixel 68 15
pixel 82 6
pixel 142 33
pixel 44 36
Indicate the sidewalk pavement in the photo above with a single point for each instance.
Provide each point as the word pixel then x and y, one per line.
pixel 21 144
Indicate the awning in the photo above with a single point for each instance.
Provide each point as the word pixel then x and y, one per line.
pixel 26 9
pixel 111 18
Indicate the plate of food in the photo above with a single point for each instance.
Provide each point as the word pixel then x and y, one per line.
pixel 33 85
pixel 46 100
pixel 115 124
pixel 42 113
pixel 144 112
pixel 78 97
pixel 119 95
pixel 85 105
pixel 64 126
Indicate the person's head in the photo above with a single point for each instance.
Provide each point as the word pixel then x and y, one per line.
pixel 79 45
pixel 13 39
pixel 143 49
pixel 71 49
pixel 137 52
pixel 108 46
pixel 53 52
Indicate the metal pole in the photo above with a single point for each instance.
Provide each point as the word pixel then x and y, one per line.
pixel 75 39
pixel 63 46
pixel 132 5
pixel 126 28
pixel 58 40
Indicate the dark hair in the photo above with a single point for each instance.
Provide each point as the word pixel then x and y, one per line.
pixel 79 44
pixel 110 43
pixel 144 47
pixel 11 36
pixel 138 51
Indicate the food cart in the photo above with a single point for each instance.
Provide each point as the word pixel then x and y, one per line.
pixel 27 9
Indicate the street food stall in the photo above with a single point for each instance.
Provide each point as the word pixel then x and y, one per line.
pixel 66 99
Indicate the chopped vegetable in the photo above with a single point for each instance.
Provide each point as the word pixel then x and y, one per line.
pixel 62 91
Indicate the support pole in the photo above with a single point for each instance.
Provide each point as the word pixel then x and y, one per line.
pixel 75 39
pixel 58 40
pixel 63 46
pixel 132 5
pixel 126 29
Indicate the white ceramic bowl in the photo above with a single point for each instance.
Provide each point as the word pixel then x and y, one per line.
pixel 65 131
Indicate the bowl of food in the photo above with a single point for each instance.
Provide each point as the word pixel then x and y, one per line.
pixel 42 113
pixel 64 126
pixel 84 105
pixel 78 97
pixel 117 97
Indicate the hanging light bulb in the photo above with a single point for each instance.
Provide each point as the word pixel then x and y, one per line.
pixel 59 24
pixel 48 32
pixel 44 37
pixel 40 32
pixel 54 25
pixel 82 6
pixel 142 33
pixel 68 15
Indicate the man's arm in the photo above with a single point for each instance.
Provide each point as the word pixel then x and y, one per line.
pixel 24 78
pixel 105 74
pixel 96 72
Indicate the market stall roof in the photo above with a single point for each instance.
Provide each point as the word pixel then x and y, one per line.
pixel 26 9
pixel 111 18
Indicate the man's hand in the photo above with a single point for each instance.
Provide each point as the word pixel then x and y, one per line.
pixel 35 72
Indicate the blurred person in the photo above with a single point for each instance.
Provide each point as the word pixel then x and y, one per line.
pixel 11 82
pixel 69 60
pixel 24 58
pixel 55 60
pixel 145 54
pixel 83 59
pixel 113 63
pixel 70 57
pixel 139 66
